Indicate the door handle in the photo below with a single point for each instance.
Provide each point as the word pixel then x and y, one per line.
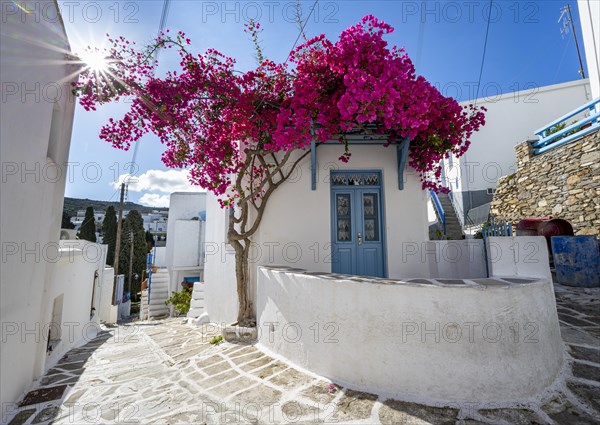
pixel 359 238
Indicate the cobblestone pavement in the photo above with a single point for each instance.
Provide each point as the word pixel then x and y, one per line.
pixel 167 372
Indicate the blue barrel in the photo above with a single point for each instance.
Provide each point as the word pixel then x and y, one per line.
pixel 576 260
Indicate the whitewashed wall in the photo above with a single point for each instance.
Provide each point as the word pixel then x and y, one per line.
pixel 184 236
pixel 589 17
pixel 221 302
pixel 78 279
pixel 35 135
pixel 160 256
pixel 425 342
pixel 299 219
pixel 108 311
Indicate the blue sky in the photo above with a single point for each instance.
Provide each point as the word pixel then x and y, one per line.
pixel 444 38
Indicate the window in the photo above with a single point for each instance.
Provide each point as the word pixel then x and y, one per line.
pixel 55 135
pixel 491 191
pixel 54 327
pixel 344 220
pixel 371 217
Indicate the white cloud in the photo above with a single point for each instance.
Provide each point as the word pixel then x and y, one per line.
pixel 159 181
pixel 155 200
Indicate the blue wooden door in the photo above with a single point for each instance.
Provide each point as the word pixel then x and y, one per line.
pixel 357 224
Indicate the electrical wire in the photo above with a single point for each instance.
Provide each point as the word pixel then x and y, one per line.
pixel 161 27
pixel 487 31
pixel 312 9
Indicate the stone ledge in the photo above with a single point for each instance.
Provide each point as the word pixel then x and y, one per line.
pixel 477 283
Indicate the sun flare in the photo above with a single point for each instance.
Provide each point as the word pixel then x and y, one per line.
pixel 95 60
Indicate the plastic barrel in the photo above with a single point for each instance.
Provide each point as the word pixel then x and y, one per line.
pixel 528 226
pixel 576 260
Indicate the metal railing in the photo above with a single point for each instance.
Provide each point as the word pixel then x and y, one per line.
pixel 464 219
pixel 550 140
pixel 439 209
pixel 496 227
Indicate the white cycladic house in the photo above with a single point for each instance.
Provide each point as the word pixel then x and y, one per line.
pixel 185 230
pixel 356 221
pixel 44 283
pixel 511 118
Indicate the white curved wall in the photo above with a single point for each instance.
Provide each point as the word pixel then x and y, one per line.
pixel 494 342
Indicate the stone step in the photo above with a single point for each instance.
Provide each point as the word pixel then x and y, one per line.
pixel 197 303
pixel 195 312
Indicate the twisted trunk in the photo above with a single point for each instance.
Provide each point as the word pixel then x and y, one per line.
pixel 254 192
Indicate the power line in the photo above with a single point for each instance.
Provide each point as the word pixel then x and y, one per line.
pixel 312 9
pixel 161 27
pixel 420 44
pixel 487 31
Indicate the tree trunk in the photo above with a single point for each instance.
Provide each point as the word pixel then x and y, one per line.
pixel 249 215
pixel 245 310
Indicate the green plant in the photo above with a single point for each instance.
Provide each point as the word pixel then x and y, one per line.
pixel 181 300
pixel 479 234
pixel 561 126
pixel 216 340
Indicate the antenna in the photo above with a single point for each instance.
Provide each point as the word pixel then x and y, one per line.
pixel 566 21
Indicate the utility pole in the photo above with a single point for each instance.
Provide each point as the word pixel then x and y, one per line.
pixel 118 242
pixel 130 263
pixel 565 29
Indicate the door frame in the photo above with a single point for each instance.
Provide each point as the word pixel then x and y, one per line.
pixel 333 224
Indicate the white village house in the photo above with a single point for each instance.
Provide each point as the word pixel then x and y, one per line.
pixel 511 119
pixel 51 290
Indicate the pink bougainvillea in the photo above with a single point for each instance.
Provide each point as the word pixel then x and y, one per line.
pixel 210 116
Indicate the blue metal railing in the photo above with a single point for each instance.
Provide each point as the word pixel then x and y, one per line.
pixel 438 207
pixel 551 141
pixel 497 227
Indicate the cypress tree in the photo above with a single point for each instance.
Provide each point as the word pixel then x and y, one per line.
pixel 133 223
pixel 87 230
pixel 109 234
pixel 66 221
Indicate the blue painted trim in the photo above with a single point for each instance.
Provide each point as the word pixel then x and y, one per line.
pixel 402 157
pixel 438 206
pixel 386 273
pixel 567 139
pixel 574 126
pixel 382 216
pixel 590 105
pixel 313 165
pixel 402 149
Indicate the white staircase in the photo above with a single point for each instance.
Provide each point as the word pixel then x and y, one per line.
pixel 159 293
pixel 197 303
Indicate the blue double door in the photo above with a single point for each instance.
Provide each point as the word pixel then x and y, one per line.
pixel 357 224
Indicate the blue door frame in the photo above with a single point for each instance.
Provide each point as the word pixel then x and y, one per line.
pixel 357 223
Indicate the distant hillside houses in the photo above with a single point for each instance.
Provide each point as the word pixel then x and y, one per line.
pixel 155 222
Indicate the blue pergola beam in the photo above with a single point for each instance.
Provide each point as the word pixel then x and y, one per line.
pixel 401 154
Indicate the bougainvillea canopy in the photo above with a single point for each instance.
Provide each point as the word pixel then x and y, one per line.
pixel 211 116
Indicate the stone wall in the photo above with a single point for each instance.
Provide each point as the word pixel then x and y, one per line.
pixel 563 183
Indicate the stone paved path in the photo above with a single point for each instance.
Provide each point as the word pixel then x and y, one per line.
pixel 166 372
